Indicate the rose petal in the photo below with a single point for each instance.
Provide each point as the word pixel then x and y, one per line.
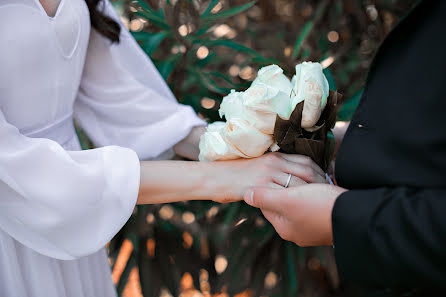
pixel 247 139
pixel 232 106
pixel 214 147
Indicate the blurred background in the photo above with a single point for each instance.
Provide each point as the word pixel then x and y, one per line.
pixel 204 49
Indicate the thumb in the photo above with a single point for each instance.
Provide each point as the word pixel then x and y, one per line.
pixel 265 198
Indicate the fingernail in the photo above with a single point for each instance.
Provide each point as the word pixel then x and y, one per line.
pixel 249 197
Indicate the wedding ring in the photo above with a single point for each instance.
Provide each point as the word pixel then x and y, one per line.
pixel 288 181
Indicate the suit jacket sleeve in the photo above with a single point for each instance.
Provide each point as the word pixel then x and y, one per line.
pixel 392 237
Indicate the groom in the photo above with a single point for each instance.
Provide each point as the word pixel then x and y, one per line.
pixel 389 228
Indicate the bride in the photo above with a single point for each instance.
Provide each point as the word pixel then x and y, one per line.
pixel 59 206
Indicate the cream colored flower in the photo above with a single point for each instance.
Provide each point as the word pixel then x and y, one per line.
pixel 245 138
pixel 251 115
pixel 232 106
pixel 311 86
pixel 273 76
pixel 214 147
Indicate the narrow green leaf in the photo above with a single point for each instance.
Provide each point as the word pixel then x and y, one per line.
pixel 83 139
pixel 154 18
pixel 166 67
pixel 330 77
pixel 308 26
pixel 222 76
pixel 210 7
pixel 265 61
pixel 210 84
pixel 146 7
pixel 230 44
pixel 302 36
pixel 143 4
pixel 207 60
pixel 141 36
pixel 152 42
pixel 229 12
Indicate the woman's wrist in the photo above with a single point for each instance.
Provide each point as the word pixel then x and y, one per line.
pixel 220 183
pixel 173 181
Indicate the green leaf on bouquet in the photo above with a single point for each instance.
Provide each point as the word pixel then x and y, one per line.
pixel 210 7
pixel 229 12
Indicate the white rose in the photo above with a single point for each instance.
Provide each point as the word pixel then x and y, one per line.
pixel 310 85
pixel 214 147
pixel 262 104
pixel 245 138
pixel 273 76
pixel 251 115
pixel 216 127
pixel 232 106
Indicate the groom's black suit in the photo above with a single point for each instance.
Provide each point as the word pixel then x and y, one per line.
pixel 390 228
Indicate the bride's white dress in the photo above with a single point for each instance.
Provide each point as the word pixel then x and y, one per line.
pixel 59 206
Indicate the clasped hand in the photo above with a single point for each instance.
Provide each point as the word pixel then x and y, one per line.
pixel 302 212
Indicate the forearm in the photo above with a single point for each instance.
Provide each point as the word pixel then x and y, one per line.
pixel 188 147
pixel 173 181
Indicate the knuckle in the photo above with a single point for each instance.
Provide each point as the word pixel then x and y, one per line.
pixel 273 158
pixel 285 235
pixel 309 173
pixel 307 160
pixel 263 180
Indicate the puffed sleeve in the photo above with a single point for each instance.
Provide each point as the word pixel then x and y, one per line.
pixel 124 101
pixel 63 204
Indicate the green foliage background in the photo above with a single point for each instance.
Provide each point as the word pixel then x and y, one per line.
pixel 254 34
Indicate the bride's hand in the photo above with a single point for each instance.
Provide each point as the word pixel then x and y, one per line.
pixel 271 170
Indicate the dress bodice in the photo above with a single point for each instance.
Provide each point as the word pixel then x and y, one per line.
pixel 54 199
pixel 42 60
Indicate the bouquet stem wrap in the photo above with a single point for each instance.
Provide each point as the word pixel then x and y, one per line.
pixel 314 142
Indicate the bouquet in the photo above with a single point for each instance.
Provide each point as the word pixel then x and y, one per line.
pixel 276 114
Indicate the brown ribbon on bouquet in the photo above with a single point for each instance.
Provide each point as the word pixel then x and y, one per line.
pixel 314 142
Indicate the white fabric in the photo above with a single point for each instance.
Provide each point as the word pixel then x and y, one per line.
pixel 58 205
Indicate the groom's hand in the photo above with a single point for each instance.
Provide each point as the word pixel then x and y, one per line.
pixel 301 215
